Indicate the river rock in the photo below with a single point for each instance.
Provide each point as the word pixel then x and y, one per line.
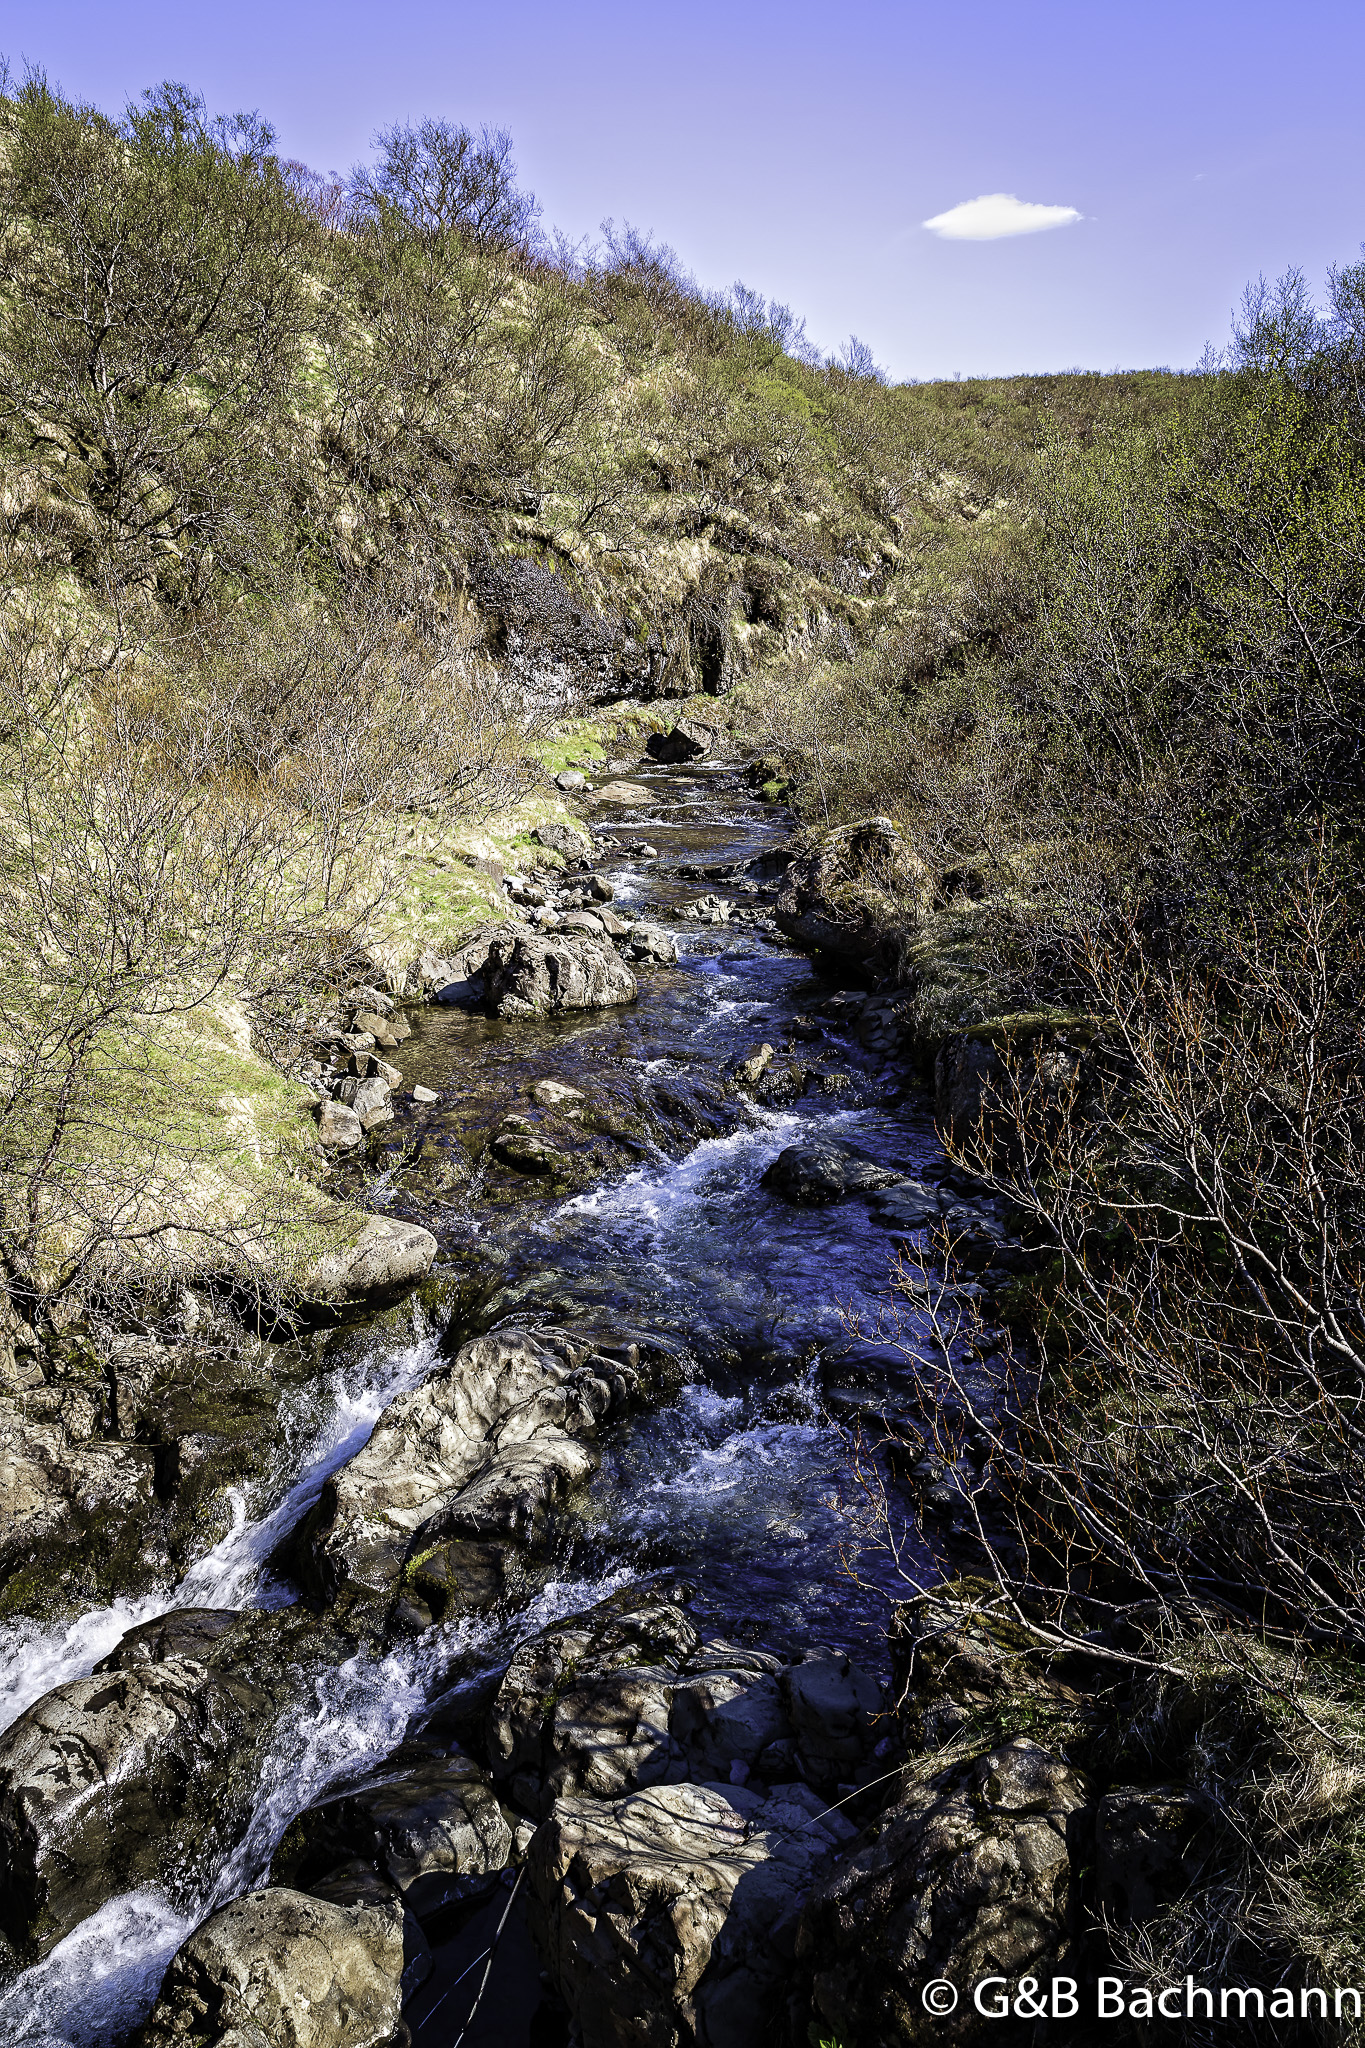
pixel 339 1128
pixel 847 893
pixel 824 1170
pixel 372 1101
pixel 533 972
pixel 623 793
pixel 570 779
pixel 555 1094
pixel 908 1206
pixel 965 1876
pixel 652 946
pixel 527 1152
pixel 277 1969
pixel 750 1071
pixel 689 740
pixel 117 1780
pixel 427 1822
pixel 670 1916
pixel 481 1454
pixel 385 1253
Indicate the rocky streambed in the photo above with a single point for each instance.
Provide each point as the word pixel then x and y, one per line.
pixel 523 1610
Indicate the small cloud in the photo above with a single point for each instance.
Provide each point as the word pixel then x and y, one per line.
pixel 996 214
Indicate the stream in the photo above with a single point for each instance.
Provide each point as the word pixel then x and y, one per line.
pixel 740 1481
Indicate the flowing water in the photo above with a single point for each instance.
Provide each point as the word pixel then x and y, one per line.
pixel 743 1480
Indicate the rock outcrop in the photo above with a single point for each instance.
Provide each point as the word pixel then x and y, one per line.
pixel 121 1779
pixel 651 945
pixel 277 1969
pixel 629 1695
pixel 851 890
pixel 670 1916
pixel 967 1876
pixel 427 1823
pixel 459 1473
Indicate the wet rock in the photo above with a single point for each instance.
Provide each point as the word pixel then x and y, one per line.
pixel 652 946
pixel 463 992
pixel 708 910
pixel 824 1170
pixel 599 888
pixel 525 1152
pixel 428 1823
pixel 966 1876
pixel 483 1451
pixel 385 1254
pixel 909 1206
pixel 424 1096
pixel 689 740
pixel 117 1780
pixel 277 1969
pixel 844 895
pixel 339 1128
pixel 536 972
pixel 555 1094
pixel 670 1916
pixel 751 1070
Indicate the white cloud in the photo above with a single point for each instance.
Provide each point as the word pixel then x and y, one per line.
pixel 996 214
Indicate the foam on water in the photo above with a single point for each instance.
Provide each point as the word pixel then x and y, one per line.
pixel 104 1977
pixel 666 1195
pixel 33 1660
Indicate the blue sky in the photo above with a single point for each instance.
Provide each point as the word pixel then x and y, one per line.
pixel 800 147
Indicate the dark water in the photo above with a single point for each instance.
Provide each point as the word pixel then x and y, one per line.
pixel 743 1480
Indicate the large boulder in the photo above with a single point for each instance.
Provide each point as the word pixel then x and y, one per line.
pixel 427 1822
pixel 564 837
pixel 852 890
pixel 531 972
pixel 689 740
pixel 669 1917
pixel 125 1778
pixel 966 1876
pixel 824 1170
pixel 384 1254
pixel 457 1471
pixel 277 1969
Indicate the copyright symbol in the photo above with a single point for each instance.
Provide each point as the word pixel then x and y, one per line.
pixel 939 1997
